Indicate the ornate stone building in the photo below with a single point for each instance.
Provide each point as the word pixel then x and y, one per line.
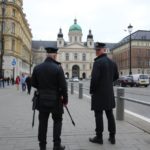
pixel 76 57
pixel 17 38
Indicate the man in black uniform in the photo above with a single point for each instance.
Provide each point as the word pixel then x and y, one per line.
pixel 104 73
pixel 48 77
pixel 28 82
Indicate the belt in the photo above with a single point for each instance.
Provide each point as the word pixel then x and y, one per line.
pixel 44 91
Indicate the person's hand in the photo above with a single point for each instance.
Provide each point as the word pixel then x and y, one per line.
pixel 92 94
pixel 65 105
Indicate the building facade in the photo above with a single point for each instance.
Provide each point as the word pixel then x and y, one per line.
pixel 76 57
pixel 140 53
pixel 17 39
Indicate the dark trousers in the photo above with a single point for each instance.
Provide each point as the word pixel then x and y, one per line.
pixel 99 123
pixel 29 88
pixel 43 124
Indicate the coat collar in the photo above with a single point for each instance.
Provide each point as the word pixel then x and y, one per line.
pixel 103 55
pixel 48 59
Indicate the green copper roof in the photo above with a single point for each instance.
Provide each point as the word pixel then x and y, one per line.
pixel 75 27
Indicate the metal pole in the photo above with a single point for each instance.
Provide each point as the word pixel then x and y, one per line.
pixel 120 104
pixel 72 88
pixel 80 90
pixel 130 56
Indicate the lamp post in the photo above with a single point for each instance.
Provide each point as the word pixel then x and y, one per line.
pixel 130 31
pixel 3 6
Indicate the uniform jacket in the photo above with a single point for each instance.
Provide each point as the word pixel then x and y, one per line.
pixel 103 74
pixel 49 75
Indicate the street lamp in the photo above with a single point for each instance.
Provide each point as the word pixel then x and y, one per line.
pixel 3 6
pixel 130 31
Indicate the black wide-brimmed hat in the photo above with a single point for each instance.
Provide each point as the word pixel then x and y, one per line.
pixel 99 46
pixel 51 50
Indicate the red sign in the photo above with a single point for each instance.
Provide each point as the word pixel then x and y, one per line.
pixel 13 68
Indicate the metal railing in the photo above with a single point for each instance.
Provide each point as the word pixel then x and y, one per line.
pixel 119 99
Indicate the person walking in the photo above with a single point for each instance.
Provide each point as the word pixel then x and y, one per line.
pixel 22 81
pixel 17 82
pixel 1 81
pixel 28 83
pixel 104 73
pixel 8 80
pixel 48 77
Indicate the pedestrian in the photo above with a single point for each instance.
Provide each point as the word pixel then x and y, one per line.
pixel 22 81
pixel 8 80
pixel 1 81
pixel 17 82
pixel 104 73
pixel 48 77
pixel 12 80
pixel 28 83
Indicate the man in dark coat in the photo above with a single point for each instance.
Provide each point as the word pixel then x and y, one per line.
pixel 48 77
pixel 104 73
pixel 28 82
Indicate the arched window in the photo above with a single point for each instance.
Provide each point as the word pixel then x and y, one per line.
pixel 13 28
pixel 67 56
pixel 3 27
pixel 75 38
pixel 83 57
pixel 75 56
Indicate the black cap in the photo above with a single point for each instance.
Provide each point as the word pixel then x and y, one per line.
pixel 51 50
pixel 99 46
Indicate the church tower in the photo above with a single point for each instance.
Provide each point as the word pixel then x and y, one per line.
pixel 90 41
pixel 60 40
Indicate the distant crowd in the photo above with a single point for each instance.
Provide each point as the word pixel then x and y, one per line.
pixel 24 80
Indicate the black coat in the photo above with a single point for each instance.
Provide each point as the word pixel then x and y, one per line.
pixel 103 74
pixel 49 75
pixel 28 81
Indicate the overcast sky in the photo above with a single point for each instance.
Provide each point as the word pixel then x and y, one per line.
pixel 107 18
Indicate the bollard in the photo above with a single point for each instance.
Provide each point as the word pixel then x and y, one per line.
pixel 80 90
pixel 120 104
pixel 72 88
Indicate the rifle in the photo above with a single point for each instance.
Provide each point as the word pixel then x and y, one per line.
pixel 35 105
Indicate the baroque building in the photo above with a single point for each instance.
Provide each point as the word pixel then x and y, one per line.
pixel 17 38
pixel 76 57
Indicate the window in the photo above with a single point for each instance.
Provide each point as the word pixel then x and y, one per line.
pixel 67 56
pixel 139 51
pixel 139 71
pixel 3 11
pixel 83 57
pixel 13 45
pixel 80 39
pixel 2 27
pixel 147 52
pixel 75 38
pixel 13 13
pixel 90 43
pixel 13 1
pixel 139 62
pixel 143 37
pixel 75 56
pixel 148 71
pixel 70 39
pixel 138 43
pixel 83 67
pixel 66 66
pixel 148 62
pixel 128 62
pixel 129 53
pixel 59 42
pixel 13 28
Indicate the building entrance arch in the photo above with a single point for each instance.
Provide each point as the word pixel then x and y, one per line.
pixel 84 75
pixel 75 71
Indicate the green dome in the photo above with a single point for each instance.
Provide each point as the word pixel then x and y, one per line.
pixel 75 27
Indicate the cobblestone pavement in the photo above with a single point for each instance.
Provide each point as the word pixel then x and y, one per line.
pixel 16 132
pixel 139 93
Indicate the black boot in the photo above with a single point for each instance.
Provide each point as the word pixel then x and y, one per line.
pixel 112 140
pixel 60 147
pixel 96 140
pixel 42 148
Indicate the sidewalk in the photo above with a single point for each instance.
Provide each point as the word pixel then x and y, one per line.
pixel 16 132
